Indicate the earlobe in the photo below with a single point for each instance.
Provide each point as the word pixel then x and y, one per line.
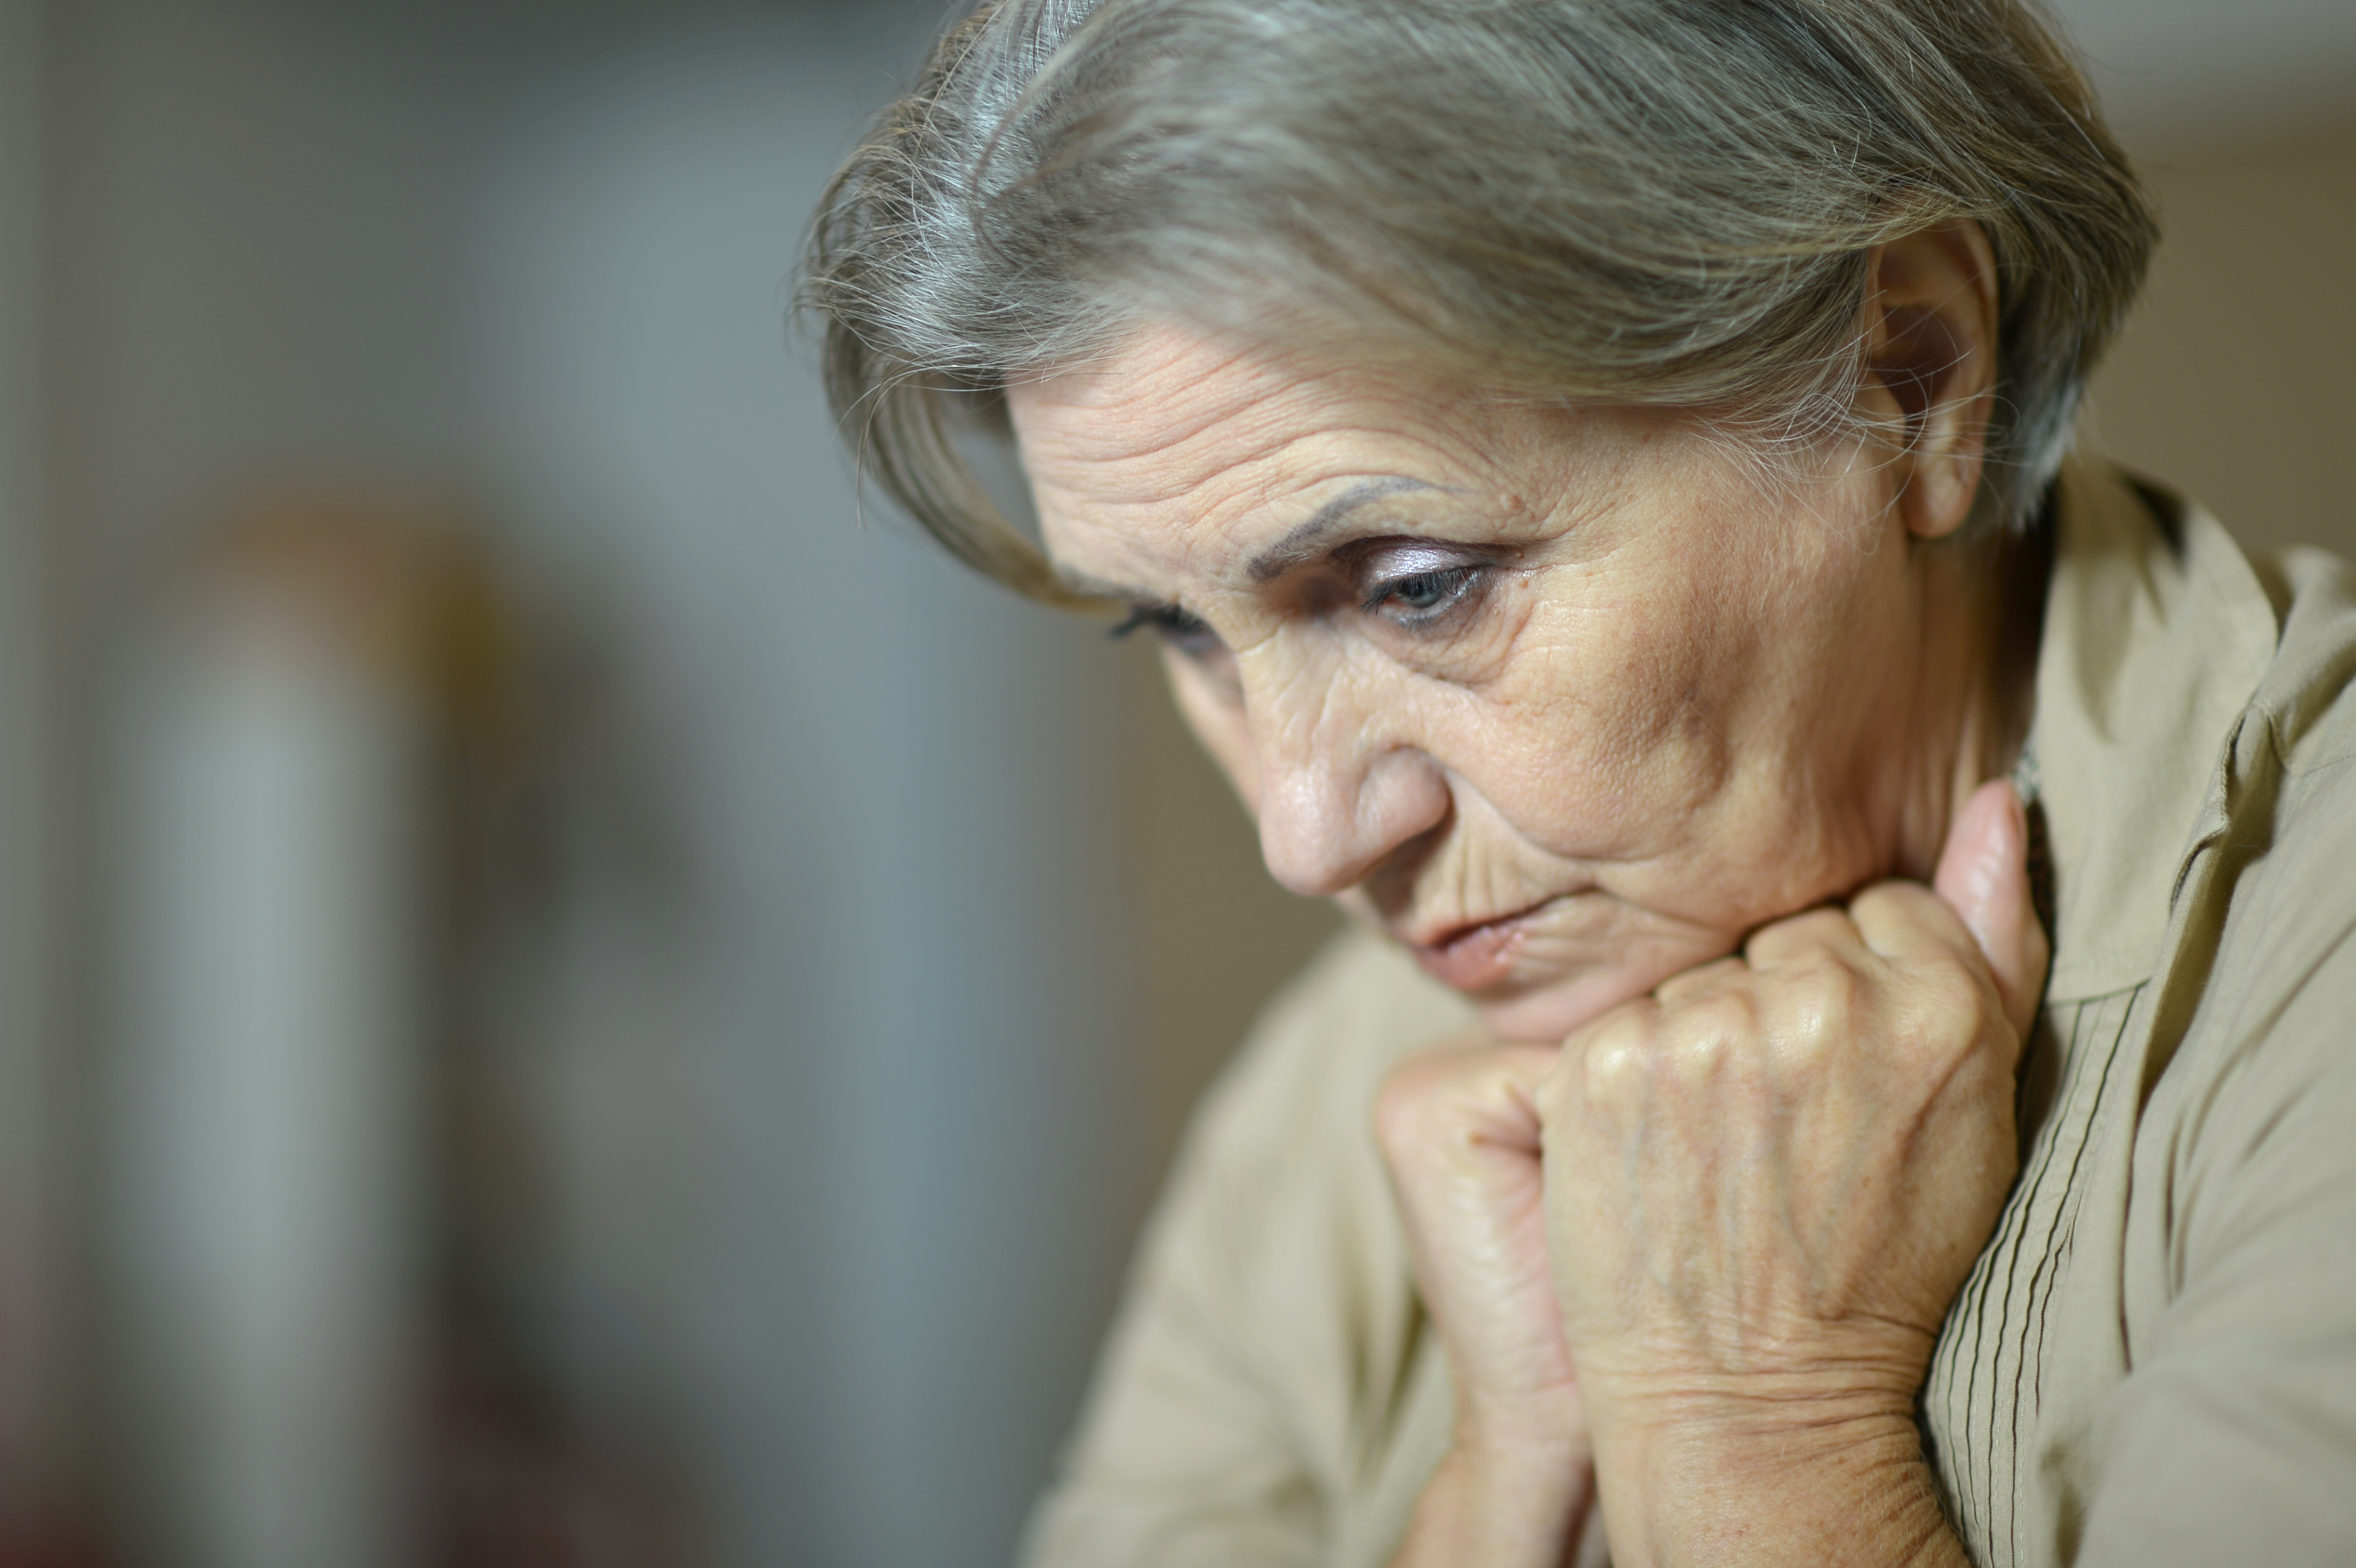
pixel 1931 325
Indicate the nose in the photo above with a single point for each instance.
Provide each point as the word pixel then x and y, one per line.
pixel 1339 791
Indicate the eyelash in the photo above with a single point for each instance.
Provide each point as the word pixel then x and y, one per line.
pixel 1168 621
pixel 1449 586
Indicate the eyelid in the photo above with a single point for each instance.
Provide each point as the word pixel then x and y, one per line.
pixel 1412 557
pixel 1383 565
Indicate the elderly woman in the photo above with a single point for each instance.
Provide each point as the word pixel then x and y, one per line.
pixel 1600 469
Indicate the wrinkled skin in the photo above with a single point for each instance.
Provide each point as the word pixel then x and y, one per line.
pixel 1623 734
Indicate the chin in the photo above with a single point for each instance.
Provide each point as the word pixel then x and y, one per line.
pixel 1547 1014
pixel 1566 968
pixel 1543 1007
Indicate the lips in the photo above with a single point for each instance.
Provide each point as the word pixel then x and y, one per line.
pixel 1476 957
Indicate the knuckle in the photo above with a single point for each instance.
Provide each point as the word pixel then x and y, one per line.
pixel 1794 936
pixel 1894 899
pixel 1949 1001
pixel 1827 984
pixel 1820 1005
pixel 1873 903
pixel 1711 1031
pixel 1948 1016
pixel 1732 973
pixel 1613 1065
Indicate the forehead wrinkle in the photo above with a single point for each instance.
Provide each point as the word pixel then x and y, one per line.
pixel 1187 403
pixel 1191 460
pixel 1139 467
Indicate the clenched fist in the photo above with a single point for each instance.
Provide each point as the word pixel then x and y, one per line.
pixel 1696 1260
pixel 1764 1186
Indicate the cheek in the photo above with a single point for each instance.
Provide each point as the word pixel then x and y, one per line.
pixel 1217 721
pixel 1612 727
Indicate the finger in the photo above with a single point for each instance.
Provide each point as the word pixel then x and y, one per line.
pixel 1460 1094
pixel 1502 1095
pixel 1983 877
pixel 1701 980
pixel 1907 920
pixel 1801 937
pixel 1605 1058
pixel 1982 870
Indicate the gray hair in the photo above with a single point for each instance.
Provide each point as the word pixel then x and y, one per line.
pixel 1656 201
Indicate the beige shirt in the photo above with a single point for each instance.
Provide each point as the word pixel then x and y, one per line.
pixel 2153 1361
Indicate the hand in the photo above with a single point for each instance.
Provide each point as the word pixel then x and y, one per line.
pixel 1764 1186
pixel 1459 1128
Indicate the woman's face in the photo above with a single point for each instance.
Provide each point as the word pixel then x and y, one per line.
pixel 1565 700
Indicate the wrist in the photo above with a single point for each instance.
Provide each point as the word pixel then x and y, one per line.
pixel 1772 1482
pixel 1497 1505
pixel 1553 1469
pixel 1550 1426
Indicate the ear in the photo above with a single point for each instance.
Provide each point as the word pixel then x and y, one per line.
pixel 1931 332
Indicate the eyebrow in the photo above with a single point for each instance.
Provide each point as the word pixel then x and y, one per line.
pixel 1301 541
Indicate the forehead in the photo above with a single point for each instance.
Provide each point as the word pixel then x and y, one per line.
pixel 1191 404
pixel 1185 439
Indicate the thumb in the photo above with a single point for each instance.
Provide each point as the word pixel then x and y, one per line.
pixel 1462 1099
pixel 1983 877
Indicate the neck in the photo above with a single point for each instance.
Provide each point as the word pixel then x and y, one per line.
pixel 1984 608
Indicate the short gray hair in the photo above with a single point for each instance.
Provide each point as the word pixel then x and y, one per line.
pixel 1658 201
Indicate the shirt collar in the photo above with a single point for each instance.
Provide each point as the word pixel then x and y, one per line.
pixel 2157 632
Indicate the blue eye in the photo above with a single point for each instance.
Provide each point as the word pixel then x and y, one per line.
pixel 1423 595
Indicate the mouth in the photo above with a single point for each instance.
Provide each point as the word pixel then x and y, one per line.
pixel 1479 955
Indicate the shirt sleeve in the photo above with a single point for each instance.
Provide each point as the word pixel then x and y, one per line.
pixel 1259 1363
pixel 1183 1456
pixel 2232 1438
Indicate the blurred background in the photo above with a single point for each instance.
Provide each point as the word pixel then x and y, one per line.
pixel 566 997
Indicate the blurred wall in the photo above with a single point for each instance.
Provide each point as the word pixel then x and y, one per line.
pixel 37 1347
pixel 2236 377
pixel 1217 935
pixel 251 281
pixel 257 264
pixel 2188 76
pixel 845 1094
pixel 820 1050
